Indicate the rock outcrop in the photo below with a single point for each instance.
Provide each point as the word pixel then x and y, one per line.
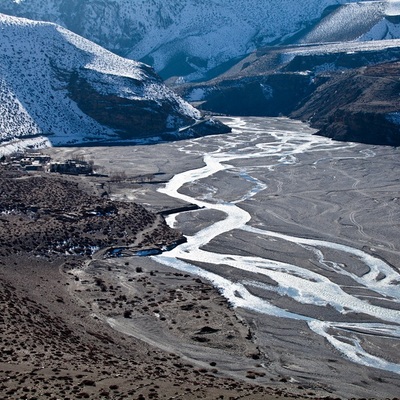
pixel 347 91
pixel 361 106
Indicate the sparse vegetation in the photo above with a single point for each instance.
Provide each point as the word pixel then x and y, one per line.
pixel 67 220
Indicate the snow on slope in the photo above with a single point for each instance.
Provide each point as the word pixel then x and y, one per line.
pixel 383 30
pixel 183 37
pixel 332 48
pixel 347 22
pixel 37 61
pixel 369 20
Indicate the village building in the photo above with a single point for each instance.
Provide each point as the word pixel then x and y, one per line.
pixel 73 167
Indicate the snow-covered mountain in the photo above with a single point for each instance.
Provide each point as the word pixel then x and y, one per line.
pixel 60 85
pixel 187 38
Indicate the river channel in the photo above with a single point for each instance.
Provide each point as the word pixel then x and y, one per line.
pixel 299 233
pixel 343 291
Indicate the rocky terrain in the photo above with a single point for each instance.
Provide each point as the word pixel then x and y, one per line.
pixel 360 106
pixel 83 316
pixel 196 40
pixel 62 89
pixel 303 73
pixel 64 304
pixel 52 348
pixel 349 196
pixel 45 215
pixel 347 91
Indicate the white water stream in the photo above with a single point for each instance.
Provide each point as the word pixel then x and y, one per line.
pixel 282 147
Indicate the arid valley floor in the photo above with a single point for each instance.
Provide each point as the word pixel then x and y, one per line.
pixel 238 317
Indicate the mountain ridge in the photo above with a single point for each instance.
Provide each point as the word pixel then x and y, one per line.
pixel 348 91
pixel 181 37
pixel 59 85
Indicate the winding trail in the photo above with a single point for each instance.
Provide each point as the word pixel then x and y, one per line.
pixel 335 263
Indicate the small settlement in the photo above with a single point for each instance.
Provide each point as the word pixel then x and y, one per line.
pixel 41 162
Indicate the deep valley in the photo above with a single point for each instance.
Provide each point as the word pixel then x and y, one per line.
pixel 199 200
pixel 303 246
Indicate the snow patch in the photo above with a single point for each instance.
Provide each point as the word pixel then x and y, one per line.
pixel 327 67
pixel 267 90
pixel 393 7
pixel 197 94
pixel 394 118
pixel 383 30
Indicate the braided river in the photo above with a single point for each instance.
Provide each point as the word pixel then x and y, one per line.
pixel 299 233
pixel 280 239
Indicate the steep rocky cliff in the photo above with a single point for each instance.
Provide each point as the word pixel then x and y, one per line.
pixel 349 91
pixel 362 105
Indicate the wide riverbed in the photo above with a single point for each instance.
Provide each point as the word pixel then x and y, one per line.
pixel 299 233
